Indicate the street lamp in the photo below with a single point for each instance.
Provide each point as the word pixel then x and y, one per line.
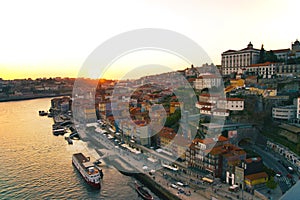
pixel 243 188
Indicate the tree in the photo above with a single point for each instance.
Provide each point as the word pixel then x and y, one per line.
pixel 298 148
pixel 271 183
pixel 270 57
pixel 173 119
pixel 266 56
pixel 262 53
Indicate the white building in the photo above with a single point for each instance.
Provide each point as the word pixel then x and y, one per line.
pixel 210 98
pixel 216 106
pixel 204 105
pixel 207 81
pixel 265 70
pixel 284 112
pixel 235 60
pixel 234 104
pixel 220 112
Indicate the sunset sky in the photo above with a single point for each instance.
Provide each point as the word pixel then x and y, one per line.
pixel 53 38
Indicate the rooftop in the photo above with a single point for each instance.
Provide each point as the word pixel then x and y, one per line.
pixel 205 103
pixel 281 50
pixel 256 176
pixel 261 64
pixel 250 160
pixel 209 140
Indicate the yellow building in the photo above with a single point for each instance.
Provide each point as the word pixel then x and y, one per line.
pixel 174 106
pixel 253 180
pixel 237 82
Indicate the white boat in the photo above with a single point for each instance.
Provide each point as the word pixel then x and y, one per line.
pixel 87 169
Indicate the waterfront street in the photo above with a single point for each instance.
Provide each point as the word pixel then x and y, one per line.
pixel 165 178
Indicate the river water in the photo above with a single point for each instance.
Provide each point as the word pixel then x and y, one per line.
pixel 35 164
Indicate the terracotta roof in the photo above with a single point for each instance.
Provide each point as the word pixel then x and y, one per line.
pixel 191 80
pixel 250 160
pixel 209 95
pixel 223 138
pixel 140 122
pixel 174 103
pixel 207 109
pixel 256 176
pixel 227 150
pixel 206 76
pixel 209 140
pixel 235 151
pixel 234 99
pixel 205 103
pixel 168 135
pixel 281 50
pixel 261 64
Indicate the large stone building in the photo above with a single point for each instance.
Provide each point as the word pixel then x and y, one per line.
pixel 237 60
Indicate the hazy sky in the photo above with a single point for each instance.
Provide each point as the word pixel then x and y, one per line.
pixel 53 38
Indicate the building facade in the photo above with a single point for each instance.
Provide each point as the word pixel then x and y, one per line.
pixel 233 104
pixel 264 70
pixel 207 81
pixel 287 70
pixel 284 112
pixel 215 156
pixel 235 60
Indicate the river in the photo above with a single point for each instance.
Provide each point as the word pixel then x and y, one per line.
pixel 35 164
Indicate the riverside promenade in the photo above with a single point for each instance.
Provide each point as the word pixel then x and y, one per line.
pixel 134 165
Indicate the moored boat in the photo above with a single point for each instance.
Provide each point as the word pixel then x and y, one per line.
pixel 87 169
pixel 43 113
pixel 69 140
pixel 143 192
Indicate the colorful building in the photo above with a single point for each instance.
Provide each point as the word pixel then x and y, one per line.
pixel 255 180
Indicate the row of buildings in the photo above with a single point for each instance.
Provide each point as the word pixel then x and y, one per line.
pixel 218 157
pixel 28 88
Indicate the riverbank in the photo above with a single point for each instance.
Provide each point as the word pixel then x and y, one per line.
pixel 123 167
pixel 155 187
pixel 22 98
